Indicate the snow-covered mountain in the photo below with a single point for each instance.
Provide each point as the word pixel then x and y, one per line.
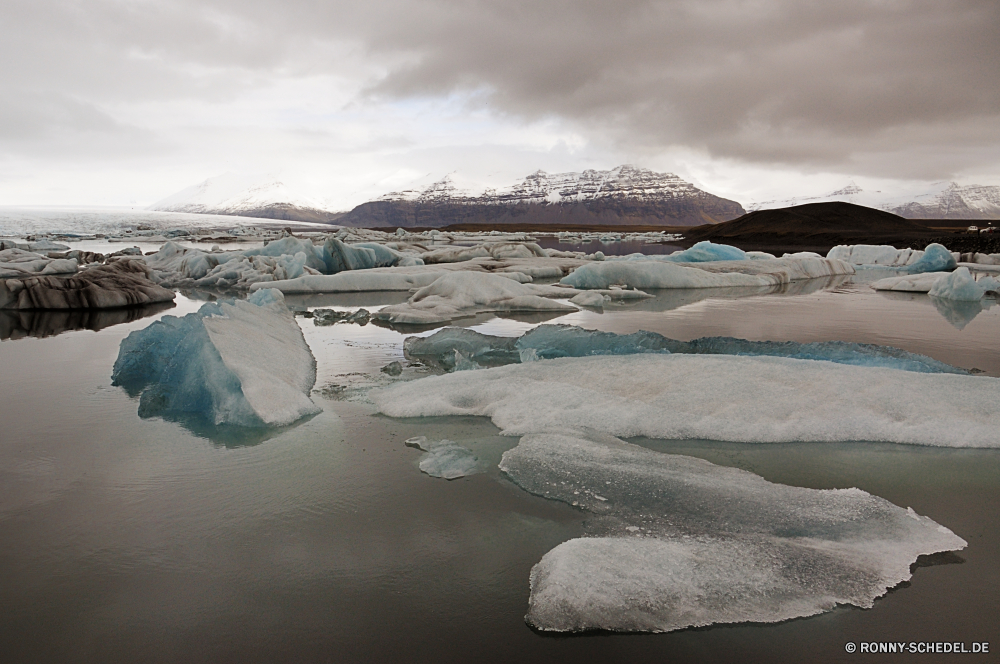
pixel 623 182
pixel 622 195
pixel 941 200
pixel 261 197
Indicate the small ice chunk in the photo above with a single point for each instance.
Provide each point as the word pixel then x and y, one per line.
pixel 590 299
pixel 444 458
pixel 393 368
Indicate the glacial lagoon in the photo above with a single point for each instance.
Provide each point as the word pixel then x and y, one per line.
pixel 129 538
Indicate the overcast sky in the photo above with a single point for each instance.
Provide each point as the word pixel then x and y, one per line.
pixel 114 101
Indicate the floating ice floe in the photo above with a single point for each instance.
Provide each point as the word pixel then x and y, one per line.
pixel 119 284
pixel 645 274
pixel 459 294
pixel 677 542
pixel 33 246
pixel 713 397
pixel 958 285
pixel 243 363
pixel 553 341
pixel 935 258
pixel 444 458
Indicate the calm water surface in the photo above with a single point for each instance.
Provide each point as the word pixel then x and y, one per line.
pixel 127 540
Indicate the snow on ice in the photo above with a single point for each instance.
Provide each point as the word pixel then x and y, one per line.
pixel 713 397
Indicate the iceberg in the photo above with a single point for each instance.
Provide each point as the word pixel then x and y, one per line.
pixel 676 542
pixel 552 341
pixel 122 283
pixel 959 285
pixel 590 299
pixel 918 283
pixel 934 258
pixel 242 363
pixel 444 458
pixel 281 260
pixel 647 274
pixel 702 252
pixel 713 397
pixel 459 294
pixel 17 263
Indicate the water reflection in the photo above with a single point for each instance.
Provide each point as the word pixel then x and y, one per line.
pixel 226 435
pixel 42 323
pixel 956 312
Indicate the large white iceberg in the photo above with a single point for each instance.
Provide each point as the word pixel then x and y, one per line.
pixel 935 258
pixel 647 274
pixel 679 542
pixel 959 285
pixel 243 363
pixel 714 397
pixel 459 294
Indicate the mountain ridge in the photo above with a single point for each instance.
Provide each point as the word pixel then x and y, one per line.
pixel 625 195
pixel 941 200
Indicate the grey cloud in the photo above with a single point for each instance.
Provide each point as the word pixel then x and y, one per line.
pixel 888 87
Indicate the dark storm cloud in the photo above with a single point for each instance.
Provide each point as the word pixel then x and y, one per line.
pixel 907 88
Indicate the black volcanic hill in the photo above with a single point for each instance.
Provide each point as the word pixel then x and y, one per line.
pixel 812 227
pixel 623 196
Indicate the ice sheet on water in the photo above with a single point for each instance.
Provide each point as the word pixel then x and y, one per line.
pixel 444 458
pixel 552 341
pixel 713 397
pixel 647 274
pixel 676 542
pixel 242 363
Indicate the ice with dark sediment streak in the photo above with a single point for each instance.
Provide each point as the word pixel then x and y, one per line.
pixel 677 542
pixel 242 363
pixel 444 458
pixel 552 341
pixel 713 397
pixel 119 284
